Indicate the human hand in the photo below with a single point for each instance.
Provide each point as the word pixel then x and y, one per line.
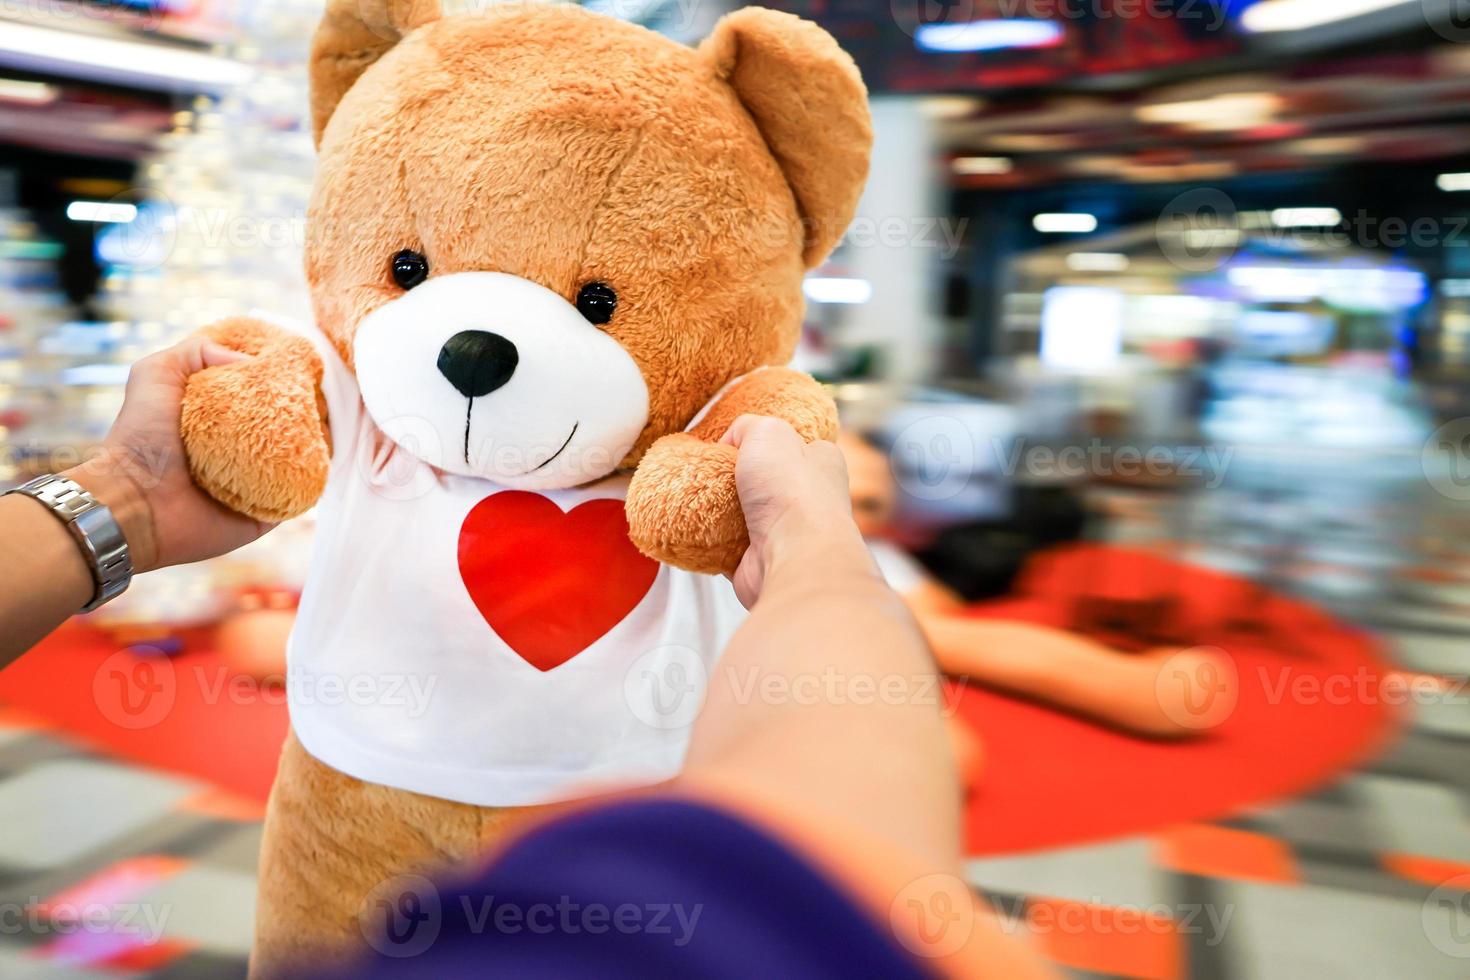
pixel 797 508
pixel 141 473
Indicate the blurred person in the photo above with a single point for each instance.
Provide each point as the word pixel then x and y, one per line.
pixel 805 837
pixel 1055 667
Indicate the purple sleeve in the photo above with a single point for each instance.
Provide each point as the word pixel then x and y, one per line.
pixel 639 889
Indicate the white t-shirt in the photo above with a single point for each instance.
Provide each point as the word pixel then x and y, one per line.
pixel 899 569
pixel 490 646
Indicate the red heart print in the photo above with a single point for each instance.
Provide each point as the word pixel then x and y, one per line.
pixel 551 582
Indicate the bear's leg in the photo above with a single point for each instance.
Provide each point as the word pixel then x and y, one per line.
pixel 333 843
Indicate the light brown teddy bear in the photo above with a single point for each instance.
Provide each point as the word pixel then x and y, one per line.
pixel 547 250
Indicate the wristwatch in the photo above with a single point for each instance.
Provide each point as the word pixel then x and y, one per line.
pixel 95 529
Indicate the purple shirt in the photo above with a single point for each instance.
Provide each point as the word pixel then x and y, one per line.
pixel 638 889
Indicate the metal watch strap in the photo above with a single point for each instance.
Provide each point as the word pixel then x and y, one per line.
pixel 95 530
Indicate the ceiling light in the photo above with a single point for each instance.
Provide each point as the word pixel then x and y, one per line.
pixel 1306 217
pixel 1237 110
pixel 31 93
pixel 111 213
pixel 52 51
pixel 1064 224
pixel 975 166
pixel 989 35
pixel 1453 182
pixel 948 106
pixel 1097 262
pixel 835 290
pixel 1297 15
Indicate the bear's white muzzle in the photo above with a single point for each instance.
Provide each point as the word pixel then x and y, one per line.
pixel 490 375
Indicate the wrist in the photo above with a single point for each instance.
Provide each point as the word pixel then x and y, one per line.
pixel 130 507
pixel 816 550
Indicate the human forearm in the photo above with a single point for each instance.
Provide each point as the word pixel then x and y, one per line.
pixel 139 475
pixel 44 577
pixel 827 702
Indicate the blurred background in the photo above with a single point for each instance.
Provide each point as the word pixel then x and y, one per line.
pixel 1147 301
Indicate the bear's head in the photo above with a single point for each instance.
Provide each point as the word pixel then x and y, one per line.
pixel 544 238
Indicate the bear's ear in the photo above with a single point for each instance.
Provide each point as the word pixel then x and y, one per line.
pixel 808 100
pixel 352 35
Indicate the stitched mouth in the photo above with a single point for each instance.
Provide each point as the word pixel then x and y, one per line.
pixel 469 412
pixel 553 456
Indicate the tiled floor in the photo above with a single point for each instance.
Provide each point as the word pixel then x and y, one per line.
pixel 108 870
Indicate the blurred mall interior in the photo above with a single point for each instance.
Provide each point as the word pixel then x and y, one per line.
pixel 1155 318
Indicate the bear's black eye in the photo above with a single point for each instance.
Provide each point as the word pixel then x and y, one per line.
pixel 596 301
pixel 410 268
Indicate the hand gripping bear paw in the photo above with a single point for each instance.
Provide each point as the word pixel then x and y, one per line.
pixel 255 431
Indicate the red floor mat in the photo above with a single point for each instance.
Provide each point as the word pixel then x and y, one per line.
pixel 1048 779
pixel 190 713
pixel 1311 704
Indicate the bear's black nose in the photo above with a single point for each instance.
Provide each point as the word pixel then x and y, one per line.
pixel 477 362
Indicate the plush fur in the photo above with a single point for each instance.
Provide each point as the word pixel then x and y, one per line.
pixel 255 431
pixel 331 842
pixel 682 507
pixel 562 147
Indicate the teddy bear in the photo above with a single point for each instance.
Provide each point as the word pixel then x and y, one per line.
pixel 552 256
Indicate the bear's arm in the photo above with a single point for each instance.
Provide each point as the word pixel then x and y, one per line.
pixel 255 432
pixel 682 506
